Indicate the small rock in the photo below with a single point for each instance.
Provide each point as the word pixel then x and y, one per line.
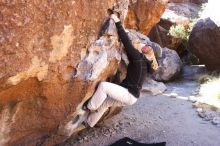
pixel 115 125
pixel 121 123
pixel 127 118
pixel 216 120
pixel 173 95
pixel 196 92
pixel 192 98
pixel 147 126
pixel 202 114
pixel 154 87
pixel 199 110
pixel 197 105
pixel 113 132
pixel 81 141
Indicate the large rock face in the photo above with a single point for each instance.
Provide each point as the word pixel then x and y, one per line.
pixel 204 37
pixel 51 60
pixel 204 43
pixel 42 45
pixel 144 14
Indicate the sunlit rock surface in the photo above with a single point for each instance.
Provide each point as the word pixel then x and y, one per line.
pixel 41 81
pixel 51 59
pixel 144 14
pixel 153 87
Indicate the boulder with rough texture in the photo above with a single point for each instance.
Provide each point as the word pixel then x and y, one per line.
pixel 204 44
pixel 154 87
pixel 193 72
pixel 144 14
pixel 204 37
pixel 46 68
pixel 170 66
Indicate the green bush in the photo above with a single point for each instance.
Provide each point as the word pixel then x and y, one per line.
pixel 210 90
pixel 181 31
pixel 205 78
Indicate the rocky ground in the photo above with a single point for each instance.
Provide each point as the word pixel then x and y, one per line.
pixel 169 117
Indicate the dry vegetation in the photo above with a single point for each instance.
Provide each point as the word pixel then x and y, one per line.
pixel 210 90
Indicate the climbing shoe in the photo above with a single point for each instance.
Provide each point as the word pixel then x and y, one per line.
pixel 84 106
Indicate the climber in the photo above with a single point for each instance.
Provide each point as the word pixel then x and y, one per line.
pixel 127 92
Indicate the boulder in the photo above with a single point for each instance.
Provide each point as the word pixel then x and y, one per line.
pixel 194 72
pixel 144 14
pixel 204 37
pixel 170 66
pixel 154 87
pixel 51 61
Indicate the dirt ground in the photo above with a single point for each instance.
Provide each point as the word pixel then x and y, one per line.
pixel 155 119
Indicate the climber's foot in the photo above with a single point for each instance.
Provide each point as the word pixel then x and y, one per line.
pixel 74 124
pixel 85 106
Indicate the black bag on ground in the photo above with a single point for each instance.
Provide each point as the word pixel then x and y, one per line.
pixel 129 142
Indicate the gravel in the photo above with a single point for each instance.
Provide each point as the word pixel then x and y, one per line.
pixel 157 119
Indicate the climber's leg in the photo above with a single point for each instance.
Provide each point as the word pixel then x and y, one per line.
pixel 114 91
pixel 94 116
